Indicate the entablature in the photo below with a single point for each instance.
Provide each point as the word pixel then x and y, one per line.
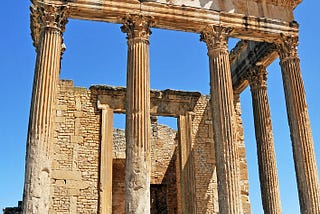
pixel 257 25
pixel 171 103
pixel 246 55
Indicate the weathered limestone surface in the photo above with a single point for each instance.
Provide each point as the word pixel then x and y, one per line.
pixel 138 165
pixel 206 185
pixel 163 172
pixel 76 160
pixel 250 19
pixel 242 163
pixel 52 20
pixel 222 106
pixel 105 197
pixel 71 170
pixel 265 145
pixel 76 156
pixel 269 8
pixel 246 55
pixel 302 143
pixel 186 164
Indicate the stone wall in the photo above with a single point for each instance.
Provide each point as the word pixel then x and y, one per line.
pixel 204 156
pixel 75 167
pixel 204 159
pixel 76 158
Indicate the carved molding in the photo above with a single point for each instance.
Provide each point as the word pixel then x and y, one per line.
pixel 137 27
pixel 49 17
pixel 241 46
pixel 285 3
pixel 288 47
pixel 53 17
pixel 216 37
pixel 34 25
pixel 257 77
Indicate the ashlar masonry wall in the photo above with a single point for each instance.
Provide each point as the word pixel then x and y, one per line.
pixel 75 173
pixel 205 163
pixel 76 158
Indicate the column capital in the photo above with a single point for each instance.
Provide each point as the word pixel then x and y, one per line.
pixel 288 47
pixel 47 17
pixel 137 27
pixel 257 77
pixel 216 38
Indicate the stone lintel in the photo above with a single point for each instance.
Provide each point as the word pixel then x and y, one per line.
pixel 168 102
pixel 247 24
pixel 246 55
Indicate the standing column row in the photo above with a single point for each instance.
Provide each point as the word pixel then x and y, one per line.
pixel 138 143
pixel 264 137
pixel 301 137
pixel 51 20
pixel 222 108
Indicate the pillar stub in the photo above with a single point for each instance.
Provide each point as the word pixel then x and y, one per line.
pixel 102 106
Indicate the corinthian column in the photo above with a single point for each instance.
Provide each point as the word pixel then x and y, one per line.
pixel 49 21
pixel 265 146
pixel 222 106
pixel 301 137
pixel 138 162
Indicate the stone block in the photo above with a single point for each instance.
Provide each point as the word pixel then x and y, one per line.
pixel 66 175
pixel 73 191
pixel 62 107
pixel 60 119
pixel 78 114
pixel 76 139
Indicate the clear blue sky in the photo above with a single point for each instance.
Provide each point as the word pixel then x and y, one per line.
pixel 96 54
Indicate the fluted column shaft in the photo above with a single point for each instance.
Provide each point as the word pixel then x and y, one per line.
pixel 138 162
pixel 265 144
pixel 52 20
pixel 301 137
pixel 223 119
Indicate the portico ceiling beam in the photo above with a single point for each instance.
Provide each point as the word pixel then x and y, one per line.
pixel 181 18
pixel 248 54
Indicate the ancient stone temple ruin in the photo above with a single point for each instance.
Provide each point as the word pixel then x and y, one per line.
pixel 78 163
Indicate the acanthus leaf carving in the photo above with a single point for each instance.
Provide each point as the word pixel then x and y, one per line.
pixel 137 27
pixel 257 77
pixel 216 37
pixel 47 16
pixel 288 47
pixel 53 16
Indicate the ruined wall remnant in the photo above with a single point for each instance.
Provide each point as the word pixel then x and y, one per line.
pixel 77 152
pixel 75 160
